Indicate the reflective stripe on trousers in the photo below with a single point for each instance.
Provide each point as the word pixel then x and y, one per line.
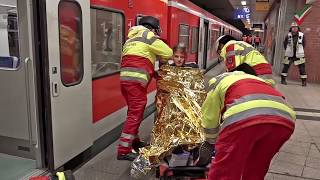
pixel 129 138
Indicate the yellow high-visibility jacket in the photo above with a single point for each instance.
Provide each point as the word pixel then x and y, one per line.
pixel 139 55
pixel 236 53
pixel 237 100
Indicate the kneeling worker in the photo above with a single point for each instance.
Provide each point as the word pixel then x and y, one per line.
pixel 238 53
pixel 247 121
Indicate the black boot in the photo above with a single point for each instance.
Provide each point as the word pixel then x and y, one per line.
pixel 304 82
pixel 129 157
pixel 136 145
pixel 283 80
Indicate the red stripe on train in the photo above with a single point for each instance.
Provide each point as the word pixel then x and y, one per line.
pixel 107 97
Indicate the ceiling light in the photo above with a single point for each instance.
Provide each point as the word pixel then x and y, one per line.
pixel 243 3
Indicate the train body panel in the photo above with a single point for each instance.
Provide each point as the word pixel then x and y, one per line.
pixel 77 62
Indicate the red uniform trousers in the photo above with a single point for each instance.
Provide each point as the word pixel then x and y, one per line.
pixel 245 154
pixel 135 95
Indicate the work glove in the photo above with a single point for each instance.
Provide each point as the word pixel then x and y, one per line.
pixel 206 152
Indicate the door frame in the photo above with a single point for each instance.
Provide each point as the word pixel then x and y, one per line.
pixel 43 83
pixel 206 42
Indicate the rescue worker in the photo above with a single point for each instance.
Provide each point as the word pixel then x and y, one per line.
pixel 249 39
pixel 244 38
pixel 137 68
pixel 257 41
pixel 237 54
pixel 294 44
pixel 247 121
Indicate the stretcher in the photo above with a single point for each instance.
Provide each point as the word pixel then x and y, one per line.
pixel 165 172
pixel 187 171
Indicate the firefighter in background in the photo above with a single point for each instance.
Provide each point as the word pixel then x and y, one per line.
pixel 294 44
pixel 239 54
pixel 257 41
pixel 137 69
pixel 247 121
pixel 244 38
pixel 249 39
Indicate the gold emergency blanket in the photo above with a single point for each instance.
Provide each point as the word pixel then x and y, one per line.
pixel 180 94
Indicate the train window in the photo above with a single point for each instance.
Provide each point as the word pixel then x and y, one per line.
pixel 9 47
pixel 107 35
pixel 138 19
pixel 184 35
pixel 195 40
pixel 71 49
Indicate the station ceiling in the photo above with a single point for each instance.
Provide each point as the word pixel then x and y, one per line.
pixel 224 9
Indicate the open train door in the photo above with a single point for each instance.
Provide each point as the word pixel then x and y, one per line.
pixel 201 40
pixel 203 43
pixel 69 56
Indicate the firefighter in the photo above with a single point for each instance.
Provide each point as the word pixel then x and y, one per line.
pixel 238 54
pixel 244 38
pixel 137 68
pixel 294 44
pixel 247 121
pixel 257 41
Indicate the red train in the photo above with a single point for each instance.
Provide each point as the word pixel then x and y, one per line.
pixel 70 51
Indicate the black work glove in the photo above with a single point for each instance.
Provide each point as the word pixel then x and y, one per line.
pixel 156 74
pixel 206 152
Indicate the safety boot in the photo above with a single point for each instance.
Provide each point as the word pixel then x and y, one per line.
pixel 136 145
pixel 304 82
pixel 129 157
pixel 283 80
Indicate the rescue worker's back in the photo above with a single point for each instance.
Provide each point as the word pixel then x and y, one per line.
pixel 248 121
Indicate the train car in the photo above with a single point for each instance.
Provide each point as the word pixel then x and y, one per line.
pixel 62 104
pixel 198 32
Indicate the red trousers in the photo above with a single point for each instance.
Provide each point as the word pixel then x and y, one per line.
pixel 246 153
pixel 135 95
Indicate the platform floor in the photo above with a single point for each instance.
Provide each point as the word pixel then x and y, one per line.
pixel 298 159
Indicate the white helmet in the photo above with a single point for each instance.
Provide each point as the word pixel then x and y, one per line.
pixel 294 24
pixel 218 42
pixel 223 39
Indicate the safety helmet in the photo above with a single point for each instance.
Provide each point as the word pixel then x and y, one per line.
pixel 223 40
pixel 294 24
pixel 151 21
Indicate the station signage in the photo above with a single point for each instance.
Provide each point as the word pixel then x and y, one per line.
pixel 241 14
pixel 262 5
pixel 257 26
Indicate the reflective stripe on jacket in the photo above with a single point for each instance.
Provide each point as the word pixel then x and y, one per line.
pixel 139 55
pixel 236 53
pixel 298 46
pixel 235 97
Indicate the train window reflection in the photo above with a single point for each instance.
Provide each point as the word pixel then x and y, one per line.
pixel 107 31
pixel 9 36
pixel 71 47
pixel 9 62
pixel 184 35
pixel 195 40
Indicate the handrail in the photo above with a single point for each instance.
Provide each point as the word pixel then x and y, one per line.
pixel 27 81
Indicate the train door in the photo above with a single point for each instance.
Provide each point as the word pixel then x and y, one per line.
pixel 206 44
pixel 69 56
pixel 203 43
pixel 20 151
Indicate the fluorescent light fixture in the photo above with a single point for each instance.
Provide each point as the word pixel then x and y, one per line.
pixel 243 3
